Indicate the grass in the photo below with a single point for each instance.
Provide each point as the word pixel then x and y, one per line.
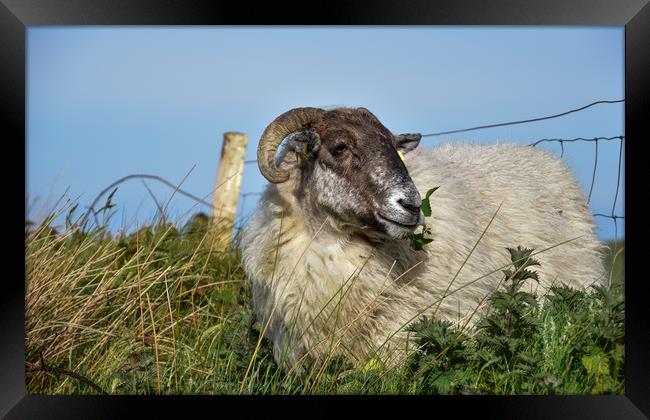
pixel 164 311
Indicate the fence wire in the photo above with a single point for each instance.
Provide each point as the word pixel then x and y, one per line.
pixel 561 141
pixel 613 216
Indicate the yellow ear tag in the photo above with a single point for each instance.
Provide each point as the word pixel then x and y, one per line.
pixel 401 156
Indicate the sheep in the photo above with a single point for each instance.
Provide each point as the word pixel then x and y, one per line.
pixel 327 250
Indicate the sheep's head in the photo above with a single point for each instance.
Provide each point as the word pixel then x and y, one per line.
pixel 346 163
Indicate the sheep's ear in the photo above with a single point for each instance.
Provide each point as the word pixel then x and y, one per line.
pixel 407 142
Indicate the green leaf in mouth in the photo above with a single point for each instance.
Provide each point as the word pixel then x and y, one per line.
pixel 426 205
pixel 418 240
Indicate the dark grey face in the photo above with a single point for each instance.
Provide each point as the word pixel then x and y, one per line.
pixel 350 168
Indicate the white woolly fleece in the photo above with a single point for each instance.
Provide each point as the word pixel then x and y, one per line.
pixel 314 278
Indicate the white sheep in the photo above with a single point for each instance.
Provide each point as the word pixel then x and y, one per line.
pixel 326 250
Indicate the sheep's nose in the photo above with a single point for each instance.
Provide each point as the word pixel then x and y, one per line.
pixel 410 205
pixel 403 207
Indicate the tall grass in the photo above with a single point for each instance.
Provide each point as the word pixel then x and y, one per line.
pixel 163 311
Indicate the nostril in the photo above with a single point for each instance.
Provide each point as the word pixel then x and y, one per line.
pixel 410 206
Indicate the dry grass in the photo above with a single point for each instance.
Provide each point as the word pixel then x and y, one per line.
pixel 161 311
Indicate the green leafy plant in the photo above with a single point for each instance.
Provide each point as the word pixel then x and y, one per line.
pixel 426 205
pixel 441 351
pixel 512 317
pixel 418 240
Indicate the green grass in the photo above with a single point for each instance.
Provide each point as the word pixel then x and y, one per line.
pixel 615 261
pixel 163 311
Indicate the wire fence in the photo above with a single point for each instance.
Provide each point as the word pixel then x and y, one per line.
pixel 241 220
pixel 595 140
pixel 561 141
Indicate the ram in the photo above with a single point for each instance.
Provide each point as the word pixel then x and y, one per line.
pixel 328 252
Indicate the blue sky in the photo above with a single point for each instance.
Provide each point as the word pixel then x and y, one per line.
pixel 105 102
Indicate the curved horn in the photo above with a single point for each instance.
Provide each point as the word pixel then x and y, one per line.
pixel 287 123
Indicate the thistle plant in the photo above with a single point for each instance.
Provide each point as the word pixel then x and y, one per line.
pixel 512 318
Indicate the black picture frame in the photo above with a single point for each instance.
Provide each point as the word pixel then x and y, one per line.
pixel 17 15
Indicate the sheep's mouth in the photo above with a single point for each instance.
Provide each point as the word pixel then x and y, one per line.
pixel 393 221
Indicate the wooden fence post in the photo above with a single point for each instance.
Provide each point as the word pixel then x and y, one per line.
pixel 226 193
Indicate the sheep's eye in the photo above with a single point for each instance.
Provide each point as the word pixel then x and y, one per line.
pixel 339 149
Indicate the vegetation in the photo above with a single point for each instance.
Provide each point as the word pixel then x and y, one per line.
pixel 162 311
pixel 418 240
